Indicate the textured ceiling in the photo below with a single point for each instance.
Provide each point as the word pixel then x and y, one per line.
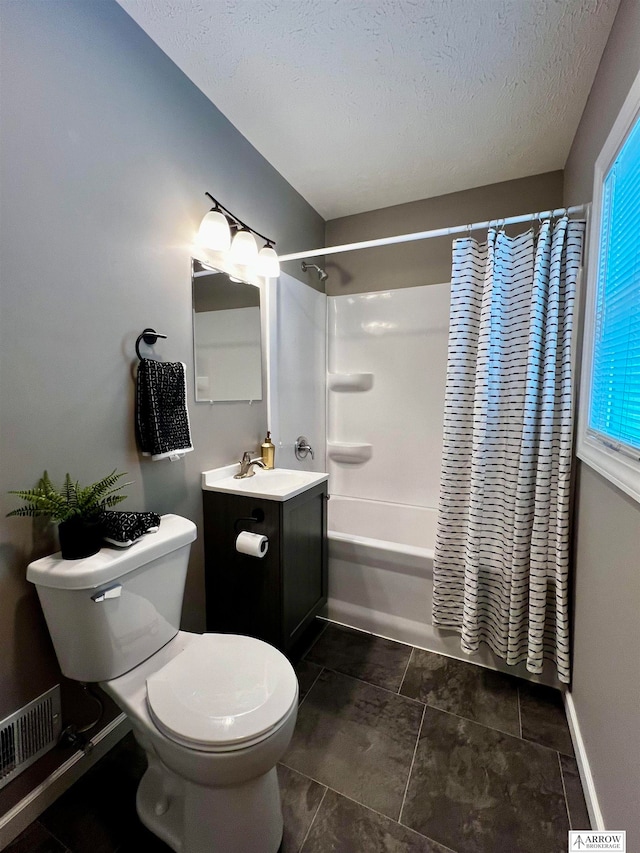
pixel 360 104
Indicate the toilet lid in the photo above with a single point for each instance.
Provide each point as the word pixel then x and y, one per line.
pixel 222 690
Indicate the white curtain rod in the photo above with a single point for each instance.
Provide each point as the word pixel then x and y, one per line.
pixel 438 232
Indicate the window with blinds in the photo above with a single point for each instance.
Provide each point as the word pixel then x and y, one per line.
pixel 609 402
pixel 614 413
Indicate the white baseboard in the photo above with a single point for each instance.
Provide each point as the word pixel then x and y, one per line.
pixel 586 777
pixel 17 819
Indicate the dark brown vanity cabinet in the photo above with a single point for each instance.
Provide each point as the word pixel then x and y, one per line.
pixel 276 597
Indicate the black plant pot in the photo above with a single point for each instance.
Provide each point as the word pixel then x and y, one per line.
pixel 79 538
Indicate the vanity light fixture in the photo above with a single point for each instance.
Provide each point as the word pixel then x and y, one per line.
pixel 268 263
pixel 215 233
pixel 244 249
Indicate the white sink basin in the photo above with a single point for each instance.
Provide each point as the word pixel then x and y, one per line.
pixel 280 484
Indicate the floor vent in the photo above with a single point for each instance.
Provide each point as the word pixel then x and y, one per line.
pixel 29 733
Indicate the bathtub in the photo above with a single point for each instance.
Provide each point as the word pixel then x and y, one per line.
pixel 381 568
pixel 381 579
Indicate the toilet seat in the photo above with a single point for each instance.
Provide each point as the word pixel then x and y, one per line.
pixel 223 692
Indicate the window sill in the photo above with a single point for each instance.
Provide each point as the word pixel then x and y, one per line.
pixel 613 466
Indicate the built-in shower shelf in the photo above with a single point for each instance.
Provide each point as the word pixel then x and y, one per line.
pixel 350 381
pixel 348 452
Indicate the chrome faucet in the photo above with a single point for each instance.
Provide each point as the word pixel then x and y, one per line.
pixel 246 466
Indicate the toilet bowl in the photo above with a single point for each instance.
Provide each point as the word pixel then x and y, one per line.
pixel 213 712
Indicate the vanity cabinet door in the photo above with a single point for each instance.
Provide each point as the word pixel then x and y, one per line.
pixel 304 561
pixel 242 592
pixel 274 598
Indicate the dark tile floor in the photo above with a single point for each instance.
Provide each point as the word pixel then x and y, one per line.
pixel 396 750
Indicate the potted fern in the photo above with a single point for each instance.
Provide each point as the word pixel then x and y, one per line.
pixel 75 508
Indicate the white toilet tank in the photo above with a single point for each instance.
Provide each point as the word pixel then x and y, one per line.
pixel 108 613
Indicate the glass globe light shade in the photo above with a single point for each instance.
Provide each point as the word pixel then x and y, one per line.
pixel 268 264
pixel 244 249
pixel 214 232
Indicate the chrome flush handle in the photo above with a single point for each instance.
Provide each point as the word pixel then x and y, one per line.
pixel 114 591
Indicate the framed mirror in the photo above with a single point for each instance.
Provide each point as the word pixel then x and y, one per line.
pixel 227 341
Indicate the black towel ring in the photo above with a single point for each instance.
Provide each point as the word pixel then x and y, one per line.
pixel 149 336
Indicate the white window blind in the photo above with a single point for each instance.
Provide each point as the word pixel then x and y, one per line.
pixel 614 415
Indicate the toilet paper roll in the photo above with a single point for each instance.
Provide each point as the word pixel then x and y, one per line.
pixel 252 543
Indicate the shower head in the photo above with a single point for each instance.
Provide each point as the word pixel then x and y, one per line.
pixel 322 275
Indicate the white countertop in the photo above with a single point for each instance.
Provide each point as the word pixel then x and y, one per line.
pixel 278 484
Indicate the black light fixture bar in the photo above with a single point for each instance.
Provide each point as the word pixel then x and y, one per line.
pixel 239 222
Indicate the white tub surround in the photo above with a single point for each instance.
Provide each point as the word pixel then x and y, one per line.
pixel 381 579
pixel 349 452
pixel 297 370
pixel 380 567
pixel 350 381
pixel 387 370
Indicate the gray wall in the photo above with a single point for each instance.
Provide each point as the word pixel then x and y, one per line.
pixel 606 669
pixel 425 261
pixel 107 150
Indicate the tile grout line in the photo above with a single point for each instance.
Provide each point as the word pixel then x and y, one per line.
pixel 487 726
pixel 313 819
pixel 320 634
pixel 564 791
pixel 519 711
pixel 529 739
pixel 362 805
pixel 404 674
pixel 53 835
pixel 413 758
pixel 436 708
pixel 311 687
pixel 369 684
pixel 347 797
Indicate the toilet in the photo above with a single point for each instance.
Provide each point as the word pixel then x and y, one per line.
pixel 213 712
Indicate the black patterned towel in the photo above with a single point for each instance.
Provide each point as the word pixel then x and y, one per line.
pixel 125 528
pixel 162 420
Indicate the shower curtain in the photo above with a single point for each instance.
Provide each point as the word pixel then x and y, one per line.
pixel 501 557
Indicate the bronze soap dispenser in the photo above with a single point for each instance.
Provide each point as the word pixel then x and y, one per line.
pixel 268 452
